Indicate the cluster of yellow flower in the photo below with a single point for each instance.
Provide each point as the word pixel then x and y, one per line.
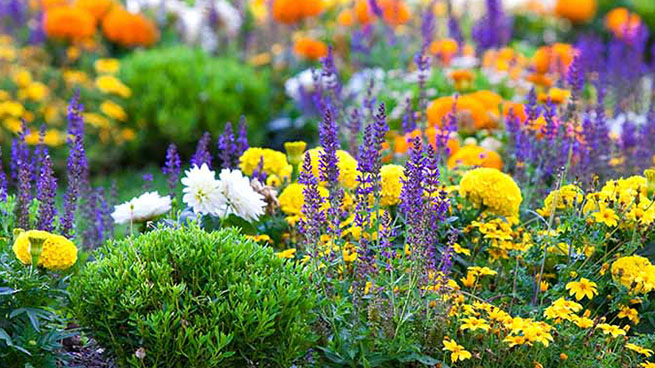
pixel 492 191
pixel 54 252
pixel 36 93
pixel 636 273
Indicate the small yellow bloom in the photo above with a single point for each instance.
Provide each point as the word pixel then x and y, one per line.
pixel 457 352
pixel 474 324
pixel 581 289
pixel 107 66
pixel 113 110
pixel 606 216
pixel 287 254
pixel 638 349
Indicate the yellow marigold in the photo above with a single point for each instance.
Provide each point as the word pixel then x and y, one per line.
pixel 392 183
pixel 310 48
pixel 274 162
pixel 635 273
pixel 577 11
pixel 11 108
pixel 113 110
pixel 22 78
pixel 566 197
pixel 97 8
pixel 107 66
pixel 347 166
pixel 129 30
pixel 473 155
pixel 58 253
pixel 112 85
pixel 292 198
pixel 491 190
pixel 69 23
pixel 36 91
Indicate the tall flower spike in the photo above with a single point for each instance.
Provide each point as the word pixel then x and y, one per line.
pixel 312 214
pixel 3 181
pixel 172 167
pixel 24 167
pixel 227 147
pixel 242 138
pixel 202 155
pixel 46 191
pixel 77 168
pixel 411 195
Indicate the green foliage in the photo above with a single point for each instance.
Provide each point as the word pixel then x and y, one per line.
pixel 180 92
pixel 31 325
pixel 194 299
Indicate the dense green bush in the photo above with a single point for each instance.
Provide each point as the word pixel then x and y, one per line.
pixel 188 298
pixel 180 92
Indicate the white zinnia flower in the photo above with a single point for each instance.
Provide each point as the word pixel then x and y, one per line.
pixel 202 191
pixel 242 200
pixel 141 209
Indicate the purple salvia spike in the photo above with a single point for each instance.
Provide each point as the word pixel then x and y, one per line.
pixel 242 138
pixel 46 191
pixel 24 182
pixel 227 147
pixel 172 167
pixel 77 168
pixel 147 182
pixel 202 155
pixel 313 215
pixel 3 181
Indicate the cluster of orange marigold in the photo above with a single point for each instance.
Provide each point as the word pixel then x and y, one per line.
pixel 77 21
pixel 394 12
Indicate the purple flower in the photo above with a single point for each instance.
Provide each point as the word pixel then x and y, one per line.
pixel 329 170
pixel 354 126
pixel 104 221
pixel 428 25
pixel 147 182
pixel 494 29
pixel 242 138
pixel 409 117
pixel 423 64
pixel 172 167
pixel 227 148
pixel 46 191
pixel 202 155
pixel 411 195
pixel 312 214
pixel 3 181
pixel 24 182
pixel 375 8
pixel 77 167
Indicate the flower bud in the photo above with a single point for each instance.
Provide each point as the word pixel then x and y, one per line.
pixel 650 179
pixel 295 151
pixel 36 247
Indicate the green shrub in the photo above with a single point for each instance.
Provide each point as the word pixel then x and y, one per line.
pixel 180 92
pixel 188 298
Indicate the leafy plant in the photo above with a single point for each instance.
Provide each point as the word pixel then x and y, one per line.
pixel 180 92
pixel 187 298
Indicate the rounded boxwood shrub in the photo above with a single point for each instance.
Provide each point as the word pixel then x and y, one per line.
pixel 180 92
pixel 188 298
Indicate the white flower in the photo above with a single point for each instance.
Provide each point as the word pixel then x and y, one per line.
pixel 304 80
pixel 141 209
pixel 242 200
pixel 202 191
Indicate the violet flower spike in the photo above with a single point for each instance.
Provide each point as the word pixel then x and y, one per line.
pixel 46 191
pixel 227 148
pixel 202 154
pixel 172 167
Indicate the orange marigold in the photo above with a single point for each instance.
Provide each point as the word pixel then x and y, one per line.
pixel 473 155
pixel 69 23
pixel 445 49
pixel 98 8
pixel 394 12
pixel 621 21
pixel 556 57
pixel 577 11
pixel 471 113
pixel 129 30
pixel 292 11
pixel 310 48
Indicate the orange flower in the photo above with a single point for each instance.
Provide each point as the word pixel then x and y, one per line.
pixel 310 48
pixel 556 95
pixel 621 20
pixel 517 109
pixel 473 155
pixel 471 113
pixel 577 11
pixel 69 23
pixel 346 18
pixel 47 4
pixel 462 78
pixel 129 30
pixel 402 142
pixel 540 80
pixel 98 8
pixel 556 57
pixel 445 49
pixel 293 11
pixel 394 12
pixel 452 144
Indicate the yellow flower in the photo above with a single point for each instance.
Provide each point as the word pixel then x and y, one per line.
pixel 274 162
pixel 461 250
pixel 391 183
pixel 292 198
pixel 638 349
pixel 630 313
pixel 110 84
pixel 75 77
pixel 58 252
pixel 295 151
pixel 113 110
pixel 11 108
pixel 566 197
pixel 35 91
pixel 347 166
pixel 457 352
pixel 22 78
pixel 647 365
pixel 606 216
pixel 96 120
pixel 492 191
pixel 614 331
pixel 287 254
pixel 107 66
pixel 513 341
pixel 581 289
pixel 474 324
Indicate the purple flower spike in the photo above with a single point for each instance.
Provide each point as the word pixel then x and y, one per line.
pixel 202 155
pixel 312 214
pixel 3 181
pixel 24 167
pixel 172 167
pixel 242 138
pixel 227 148
pixel 46 191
